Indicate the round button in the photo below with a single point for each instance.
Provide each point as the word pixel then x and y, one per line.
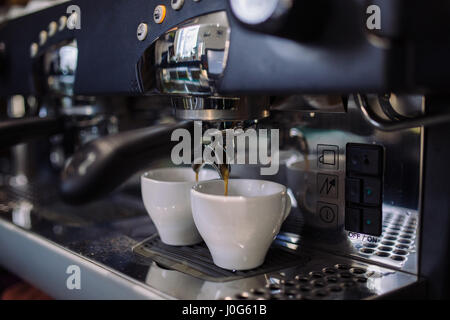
pixel 34 49
pixel 62 23
pixel 159 14
pixel 142 31
pixel 43 35
pixel 177 4
pixel 52 28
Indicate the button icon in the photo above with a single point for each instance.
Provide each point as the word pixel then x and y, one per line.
pixel 142 31
pixel 327 185
pixel 327 212
pixel 327 157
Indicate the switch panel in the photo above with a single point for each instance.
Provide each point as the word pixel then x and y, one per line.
pixel 353 190
pixel 372 191
pixel 353 219
pixel 364 188
pixel 371 222
pixel 364 159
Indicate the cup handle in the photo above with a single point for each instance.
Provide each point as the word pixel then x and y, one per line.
pixel 287 207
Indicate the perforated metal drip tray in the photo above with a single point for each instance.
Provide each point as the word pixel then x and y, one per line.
pixel 197 261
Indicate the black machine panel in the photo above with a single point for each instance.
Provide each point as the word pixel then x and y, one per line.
pixel 345 57
pixel 363 194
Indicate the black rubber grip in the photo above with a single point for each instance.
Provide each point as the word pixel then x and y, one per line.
pixel 103 164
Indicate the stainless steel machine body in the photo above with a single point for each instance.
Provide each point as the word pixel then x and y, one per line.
pixel 314 258
pixel 356 158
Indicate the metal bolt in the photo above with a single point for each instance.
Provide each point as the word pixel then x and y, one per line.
pixel 177 4
pixel 43 35
pixel 142 31
pixel 52 28
pixel 34 49
pixel 62 23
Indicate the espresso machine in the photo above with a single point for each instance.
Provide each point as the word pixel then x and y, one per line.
pixel 357 89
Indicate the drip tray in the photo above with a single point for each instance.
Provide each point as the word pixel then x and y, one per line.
pixel 197 261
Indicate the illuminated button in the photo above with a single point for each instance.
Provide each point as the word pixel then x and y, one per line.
pixel 52 28
pixel 177 4
pixel 372 191
pixel 34 49
pixel 43 35
pixel 62 23
pixel 159 14
pixel 371 223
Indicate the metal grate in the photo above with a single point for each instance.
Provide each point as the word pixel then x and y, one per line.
pixel 197 261
pixel 397 240
pixel 328 283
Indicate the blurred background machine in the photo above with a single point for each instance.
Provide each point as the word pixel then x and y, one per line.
pixel 92 90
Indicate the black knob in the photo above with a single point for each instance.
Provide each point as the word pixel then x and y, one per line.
pixel 301 20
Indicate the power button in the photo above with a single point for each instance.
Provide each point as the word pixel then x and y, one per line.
pixel 159 14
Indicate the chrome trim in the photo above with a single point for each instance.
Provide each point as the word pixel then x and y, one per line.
pixel 97 281
pixel 221 109
pixel 190 58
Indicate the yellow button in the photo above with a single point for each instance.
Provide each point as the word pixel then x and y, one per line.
pixel 159 14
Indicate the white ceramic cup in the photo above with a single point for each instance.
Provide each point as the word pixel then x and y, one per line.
pixel 239 228
pixel 166 196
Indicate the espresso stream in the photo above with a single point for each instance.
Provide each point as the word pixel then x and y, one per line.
pixel 225 173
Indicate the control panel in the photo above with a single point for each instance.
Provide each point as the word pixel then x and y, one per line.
pixel 297 38
pixel 364 188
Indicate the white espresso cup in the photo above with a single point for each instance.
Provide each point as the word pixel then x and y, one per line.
pixel 167 199
pixel 240 227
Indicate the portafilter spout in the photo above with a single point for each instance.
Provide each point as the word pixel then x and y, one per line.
pixel 222 168
pixel 188 63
